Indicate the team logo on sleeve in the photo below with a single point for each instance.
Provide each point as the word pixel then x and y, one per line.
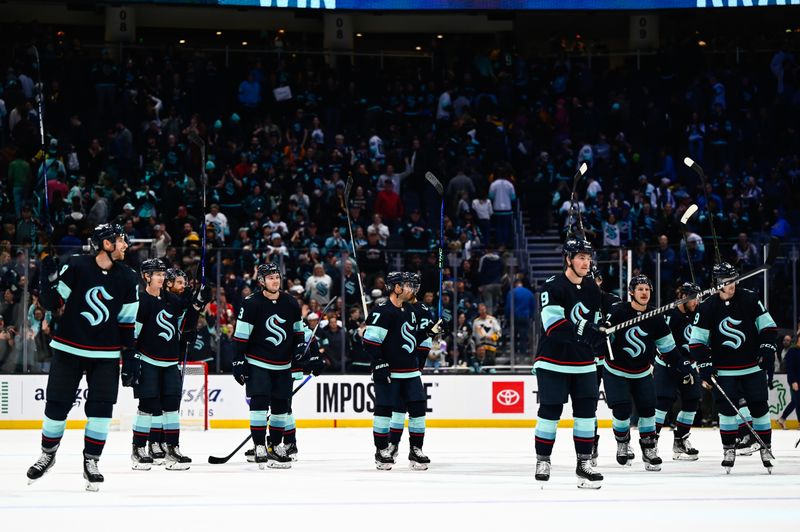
pixel 579 312
pixel 168 330
pixel 277 335
pixel 99 311
pixel 634 338
pixel 410 342
pixel 727 328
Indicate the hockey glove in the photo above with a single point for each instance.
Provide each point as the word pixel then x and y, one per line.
pixel 434 329
pixel 381 374
pixel 684 370
pixel 131 368
pixel 49 269
pixel 300 352
pixel 315 365
pixel 707 371
pixel 241 371
pixel 297 375
pixel 201 297
pixel 589 334
pixel 766 357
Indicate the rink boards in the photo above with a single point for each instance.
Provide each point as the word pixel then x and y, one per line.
pixel 334 401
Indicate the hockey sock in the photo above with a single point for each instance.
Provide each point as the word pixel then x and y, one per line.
pixel 583 431
pixel 396 427
pixel 380 431
pixel 277 424
pixel 258 426
pixel 157 429
pixel 661 417
pixel 52 431
pixel 647 427
pixel 416 431
pixel 728 430
pixel 621 428
pixel 763 427
pixel 95 435
pixel 743 431
pixel 172 427
pixel 683 423
pixel 141 428
pixel 289 431
pixel 545 436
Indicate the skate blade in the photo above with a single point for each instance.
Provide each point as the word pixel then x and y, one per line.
pixel 136 466
pixel 293 457
pixel 540 478
pixel 417 466
pixel 273 464
pixel 383 467
pixel 769 470
pixel 625 464
pixel 651 467
pixel 159 462
pixel 589 484
pixel 92 486
pixel 685 457
pixel 728 469
pixel 177 467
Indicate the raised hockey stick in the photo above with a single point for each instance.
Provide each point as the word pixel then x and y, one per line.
pixel 574 206
pixel 684 220
pixel 224 459
pixel 440 189
pixel 739 414
pixel 661 310
pixel 699 171
pixel 347 189
pixel 40 109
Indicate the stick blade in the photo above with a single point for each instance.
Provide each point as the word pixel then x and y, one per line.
pixel 216 460
pixel 689 213
pixel 435 182
pixel 688 161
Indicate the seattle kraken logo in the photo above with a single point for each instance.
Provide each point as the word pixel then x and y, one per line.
pixel 737 337
pixel 579 312
pixel 198 344
pixel 167 328
pixel 410 342
pixel 94 299
pixel 687 332
pixel 634 337
pixel 273 327
pixel 322 289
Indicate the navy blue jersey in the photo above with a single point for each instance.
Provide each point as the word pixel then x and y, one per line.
pixel 270 332
pixel 681 326
pixel 635 348
pixel 160 323
pixel 390 335
pixel 100 308
pixel 564 305
pixel 730 332
pixel 424 317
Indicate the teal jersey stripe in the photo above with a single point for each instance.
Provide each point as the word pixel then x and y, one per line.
pixel 55 344
pixel 765 321
pixel 665 344
pixel 157 363
pixel 626 375
pixel 699 335
pixel 127 313
pixel 137 329
pixel 737 372
pixel 63 290
pixel 552 314
pixel 375 334
pixel 427 343
pixel 574 370
pixel 264 365
pixel 243 330
pixel 406 375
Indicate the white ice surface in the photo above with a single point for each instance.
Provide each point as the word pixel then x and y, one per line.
pixel 480 479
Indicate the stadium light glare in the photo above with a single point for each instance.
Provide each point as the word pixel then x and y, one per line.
pixel 219 33
pixel 359 34
pixel 702 43
pixel 244 43
pixel 182 41
pixel 418 48
pixel 440 36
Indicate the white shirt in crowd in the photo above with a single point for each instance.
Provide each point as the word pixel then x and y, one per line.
pixel 502 195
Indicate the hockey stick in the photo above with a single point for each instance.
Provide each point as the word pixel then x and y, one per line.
pixel 661 310
pixel 739 414
pixel 684 220
pixel 573 204
pixel 440 189
pixel 45 168
pixel 347 189
pixel 224 459
pixel 797 443
pixel 699 171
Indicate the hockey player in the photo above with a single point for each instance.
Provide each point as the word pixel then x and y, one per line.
pixel 176 281
pixel 269 336
pixel 427 327
pixel 390 343
pixel 607 301
pixel 628 375
pixel 99 296
pixel 161 320
pixel 733 334
pixel 669 380
pixel 565 362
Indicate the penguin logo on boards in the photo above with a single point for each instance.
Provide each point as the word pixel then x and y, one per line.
pixel 727 329
pixel 99 311
pixel 634 338
pixel 410 342
pixel 579 312
pixel 273 327
pixel 168 330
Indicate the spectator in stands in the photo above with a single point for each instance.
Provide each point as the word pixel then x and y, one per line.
pixel 319 285
pixel 745 253
pixel 490 273
pixel 389 205
pixel 503 195
pixel 522 300
pixel 486 332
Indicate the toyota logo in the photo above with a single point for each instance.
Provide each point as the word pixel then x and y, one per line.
pixel 507 397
